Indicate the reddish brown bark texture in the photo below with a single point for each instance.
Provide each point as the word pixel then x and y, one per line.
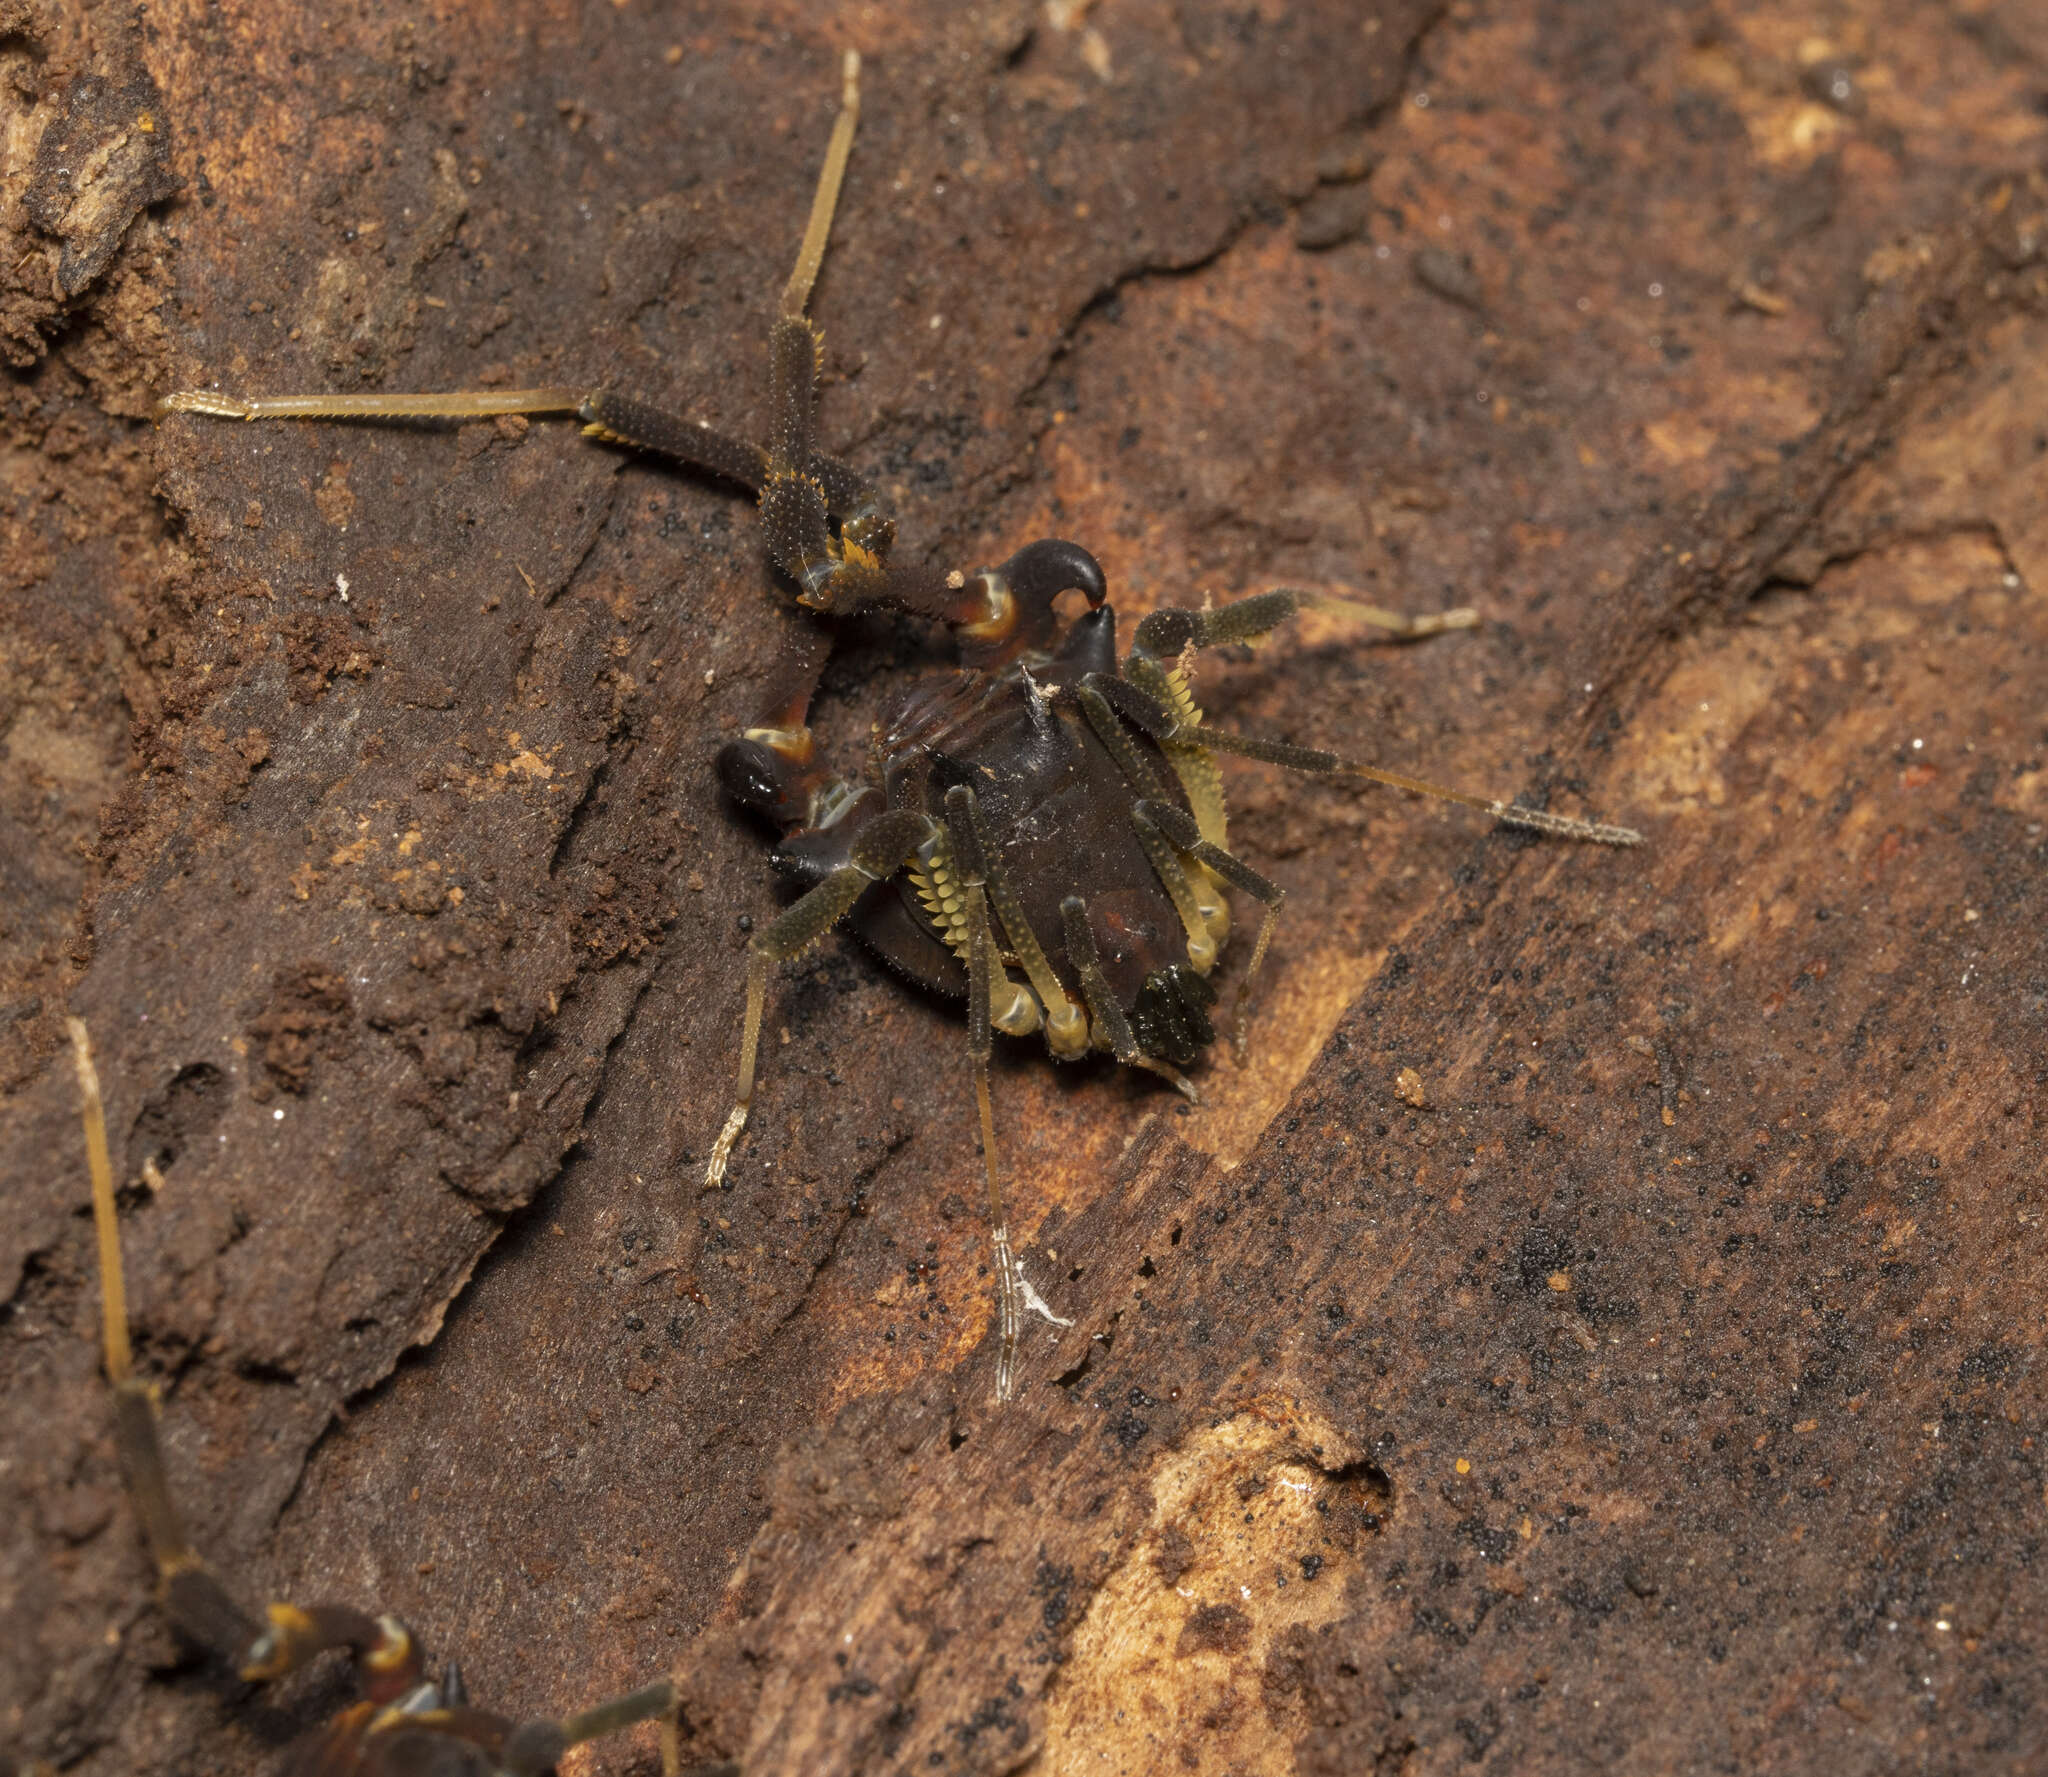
pixel 1602 1329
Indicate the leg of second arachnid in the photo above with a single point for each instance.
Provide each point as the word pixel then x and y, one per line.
pixel 879 850
pixel 193 1596
pixel 537 1747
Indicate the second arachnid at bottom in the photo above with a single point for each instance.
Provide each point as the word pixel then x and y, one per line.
pixel 1041 833
pixel 405 1722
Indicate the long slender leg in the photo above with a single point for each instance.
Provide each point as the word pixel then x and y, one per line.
pixel 388 1661
pixel 796 294
pixel 1403 626
pixel 1139 700
pixel 1171 636
pixel 606 415
pixel 452 404
pixel 193 1596
pixel 997 612
pixel 1164 634
pixel 969 862
pixel 879 850
pixel 800 488
pixel 537 1747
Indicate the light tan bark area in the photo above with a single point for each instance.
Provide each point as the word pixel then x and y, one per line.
pixel 1257 1522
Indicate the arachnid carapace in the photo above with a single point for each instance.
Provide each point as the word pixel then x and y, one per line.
pixel 1042 832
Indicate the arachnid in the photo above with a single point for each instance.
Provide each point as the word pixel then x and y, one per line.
pixel 1041 832
pixel 405 1722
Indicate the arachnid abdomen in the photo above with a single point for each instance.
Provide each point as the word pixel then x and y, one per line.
pixel 1056 805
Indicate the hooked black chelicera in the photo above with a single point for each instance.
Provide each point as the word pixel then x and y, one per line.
pixel 404 1721
pixel 1046 812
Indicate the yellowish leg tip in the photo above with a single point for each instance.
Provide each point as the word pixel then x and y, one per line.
pixel 721 1149
pixel 1066 1031
pixel 1016 1013
pixel 206 401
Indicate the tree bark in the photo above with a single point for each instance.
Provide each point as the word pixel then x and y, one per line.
pixel 1601 1326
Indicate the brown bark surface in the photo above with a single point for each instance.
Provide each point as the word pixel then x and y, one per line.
pixel 1602 1327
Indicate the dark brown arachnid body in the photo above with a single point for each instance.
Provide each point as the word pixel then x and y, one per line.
pixel 405 1723
pixel 1046 810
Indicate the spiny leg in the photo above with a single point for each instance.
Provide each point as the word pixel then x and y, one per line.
pixel 1158 701
pixel 1173 635
pixel 1108 1016
pixel 800 489
pixel 1195 911
pixel 1139 700
pixel 1180 889
pixel 1093 696
pixel 606 414
pixel 970 864
pixel 1315 763
pixel 1175 827
pixel 1166 633
pixel 1066 1024
pixel 880 849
